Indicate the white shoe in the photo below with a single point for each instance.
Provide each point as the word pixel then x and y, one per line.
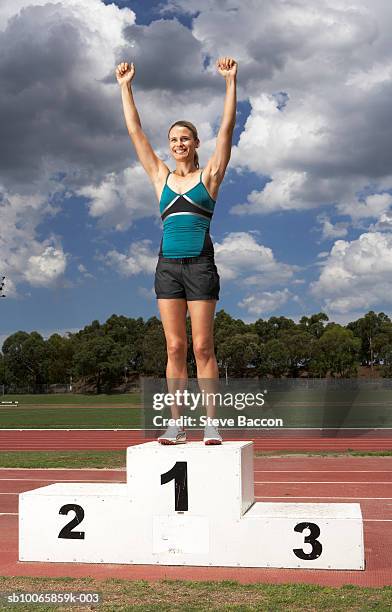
pixel 211 435
pixel 173 435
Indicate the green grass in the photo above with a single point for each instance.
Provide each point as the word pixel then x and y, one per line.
pixel 74 398
pixel 63 459
pixel 116 459
pixel 187 596
pixel 71 417
pixel 348 453
pixel 300 408
pixel 68 411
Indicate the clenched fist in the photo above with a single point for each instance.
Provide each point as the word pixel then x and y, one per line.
pixel 125 73
pixel 227 66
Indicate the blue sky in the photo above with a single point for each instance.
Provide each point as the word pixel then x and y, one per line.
pixel 303 219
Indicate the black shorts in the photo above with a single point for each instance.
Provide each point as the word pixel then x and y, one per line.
pixel 189 278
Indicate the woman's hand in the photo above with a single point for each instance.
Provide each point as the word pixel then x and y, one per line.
pixel 227 66
pixel 125 73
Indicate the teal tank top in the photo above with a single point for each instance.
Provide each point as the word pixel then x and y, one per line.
pixel 186 221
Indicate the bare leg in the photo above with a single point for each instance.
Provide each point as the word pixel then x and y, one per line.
pixel 202 318
pixel 173 317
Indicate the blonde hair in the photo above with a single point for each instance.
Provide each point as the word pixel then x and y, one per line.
pixel 193 129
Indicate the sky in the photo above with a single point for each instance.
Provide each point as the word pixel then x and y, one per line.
pixel 303 219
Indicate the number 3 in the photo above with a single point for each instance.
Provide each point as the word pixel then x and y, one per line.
pixel 309 539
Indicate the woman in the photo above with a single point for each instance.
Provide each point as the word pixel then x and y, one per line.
pixel 186 276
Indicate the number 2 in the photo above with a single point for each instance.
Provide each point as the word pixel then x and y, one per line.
pixel 66 531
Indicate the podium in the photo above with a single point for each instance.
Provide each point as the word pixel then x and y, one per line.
pixel 187 504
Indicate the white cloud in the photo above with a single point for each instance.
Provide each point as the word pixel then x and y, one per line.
pixel 42 269
pixel 140 259
pixel 85 273
pixel 370 207
pixel 329 230
pixel 367 79
pixel 72 140
pixel 357 275
pixel 121 199
pixel 23 256
pixel 242 259
pixel 265 301
pixel 53 108
pixel 148 294
pixel 332 138
pixel 282 193
pixel 383 224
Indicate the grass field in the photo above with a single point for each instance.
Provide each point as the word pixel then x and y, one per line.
pixel 116 459
pixel 73 398
pixel 66 411
pixel 168 595
pixel 124 411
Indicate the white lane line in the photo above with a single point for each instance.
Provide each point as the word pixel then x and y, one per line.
pixel 292 497
pixel 323 471
pixel 364 520
pixel 265 429
pixel 62 480
pixel 306 482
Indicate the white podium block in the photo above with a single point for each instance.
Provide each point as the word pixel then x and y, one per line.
pixel 186 505
pixel 302 535
pixel 77 522
pixel 220 478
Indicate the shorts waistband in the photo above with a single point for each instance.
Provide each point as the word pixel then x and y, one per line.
pixel 186 260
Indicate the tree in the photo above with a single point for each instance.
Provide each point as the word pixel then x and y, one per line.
pixel 269 330
pixel 314 324
pixel 237 352
pixel 275 358
pixel 154 349
pixel 59 356
pixel 26 358
pixel 366 328
pixel 128 333
pixel 101 359
pixel 336 352
pixel 300 346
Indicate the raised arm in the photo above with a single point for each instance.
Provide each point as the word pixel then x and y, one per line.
pixel 149 160
pixel 227 67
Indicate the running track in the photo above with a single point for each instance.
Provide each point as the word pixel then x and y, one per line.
pixel 367 480
pixel 272 440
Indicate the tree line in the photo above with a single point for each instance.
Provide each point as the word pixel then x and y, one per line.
pixel 107 357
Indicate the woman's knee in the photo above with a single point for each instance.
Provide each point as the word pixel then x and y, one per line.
pixel 176 348
pixel 203 349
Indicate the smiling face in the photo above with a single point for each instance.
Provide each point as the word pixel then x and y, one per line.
pixel 182 143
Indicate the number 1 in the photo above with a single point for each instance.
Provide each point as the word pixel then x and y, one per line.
pixel 179 473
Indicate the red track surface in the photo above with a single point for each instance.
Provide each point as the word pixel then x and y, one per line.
pixel 296 440
pixel 367 480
